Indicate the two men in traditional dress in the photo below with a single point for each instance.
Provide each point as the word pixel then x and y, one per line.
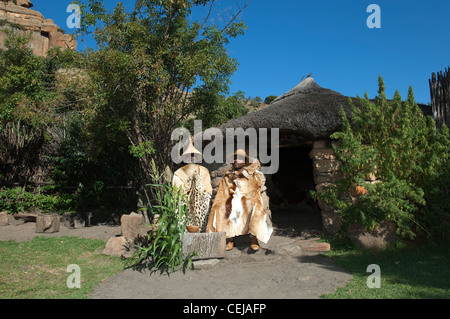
pixel 238 206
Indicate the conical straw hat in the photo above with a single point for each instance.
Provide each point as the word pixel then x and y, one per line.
pixel 192 150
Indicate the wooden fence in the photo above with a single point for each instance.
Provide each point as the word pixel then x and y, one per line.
pixel 440 97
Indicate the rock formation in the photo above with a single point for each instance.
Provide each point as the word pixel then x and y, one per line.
pixel 45 34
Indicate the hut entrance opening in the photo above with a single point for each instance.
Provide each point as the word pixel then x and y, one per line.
pixel 294 212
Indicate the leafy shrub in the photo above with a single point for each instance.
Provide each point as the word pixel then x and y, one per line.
pixel 401 147
pixel 222 109
pixel 91 166
pixel 270 99
pixel 165 245
pixel 17 200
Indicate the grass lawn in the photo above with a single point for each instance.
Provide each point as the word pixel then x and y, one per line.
pixel 38 269
pixel 410 273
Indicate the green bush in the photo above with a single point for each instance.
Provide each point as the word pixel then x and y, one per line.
pixel 17 200
pixel 270 99
pixel 221 110
pixel 401 147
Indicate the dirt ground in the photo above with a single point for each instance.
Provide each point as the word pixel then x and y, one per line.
pixel 279 270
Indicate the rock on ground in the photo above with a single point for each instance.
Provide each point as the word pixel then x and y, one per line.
pixel 4 221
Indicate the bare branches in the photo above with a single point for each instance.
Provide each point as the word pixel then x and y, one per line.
pixel 247 3
pixel 240 8
pixel 209 13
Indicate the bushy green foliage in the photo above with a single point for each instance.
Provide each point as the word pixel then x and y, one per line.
pixel 142 149
pixel 401 147
pixel 222 110
pixel 156 65
pixel 99 119
pixel 28 89
pixel 270 99
pixel 91 166
pixel 16 200
pixel 48 103
pixel 22 82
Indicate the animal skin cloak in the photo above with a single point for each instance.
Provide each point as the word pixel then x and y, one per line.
pixel 195 182
pixel 238 207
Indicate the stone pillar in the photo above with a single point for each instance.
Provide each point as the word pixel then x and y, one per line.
pixel 326 168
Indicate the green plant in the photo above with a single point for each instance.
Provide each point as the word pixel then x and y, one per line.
pixel 165 244
pixel 221 110
pixel 48 123
pixel 395 142
pixel 4 22
pixel 17 200
pixel 270 99
pixel 142 149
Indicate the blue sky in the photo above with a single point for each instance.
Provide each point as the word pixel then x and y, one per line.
pixel 288 39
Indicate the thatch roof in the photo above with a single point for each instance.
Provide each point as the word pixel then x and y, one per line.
pixel 307 110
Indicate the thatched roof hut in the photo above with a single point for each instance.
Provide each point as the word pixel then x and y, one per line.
pixel 308 110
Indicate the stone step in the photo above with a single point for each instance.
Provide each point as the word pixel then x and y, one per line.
pixel 204 264
pixel 314 246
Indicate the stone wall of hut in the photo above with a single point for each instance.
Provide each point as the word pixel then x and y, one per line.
pixel 326 170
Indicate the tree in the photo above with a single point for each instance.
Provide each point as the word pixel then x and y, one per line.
pixel 223 110
pixel 154 67
pixel 395 142
pixel 40 99
pixel 28 100
pixel 270 99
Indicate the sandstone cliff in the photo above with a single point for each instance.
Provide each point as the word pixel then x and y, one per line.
pixel 45 34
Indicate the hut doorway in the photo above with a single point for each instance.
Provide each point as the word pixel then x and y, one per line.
pixel 294 212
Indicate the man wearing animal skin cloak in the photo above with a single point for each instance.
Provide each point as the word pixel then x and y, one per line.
pixel 238 207
pixel 195 182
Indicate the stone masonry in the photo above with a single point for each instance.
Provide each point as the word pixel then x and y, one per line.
pixel 326 169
